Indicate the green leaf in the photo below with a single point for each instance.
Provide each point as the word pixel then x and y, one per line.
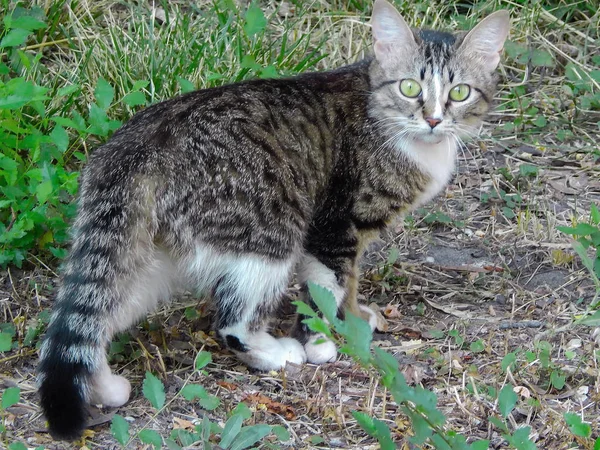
pixel 255 20
pixel 581 229
pixel 508 361
pixel 184 437
pixel 193 391
pixel 315 439
pixel 498 423
pixel 120 429
pixel 507 400
pixel 304 309
pixel 25 22
pixel 527 170
pixel 10 397
pixel 17 446
pixel 591 321
pixel 478 346
pixel 585 259
pixel 597 444
pixel 383 435
pixel 249 436
pixel 99 122
pixel 135 99
pixel 154 391
pixel 104 94
pixel 172 445
pixel 242 410
pixel 68 90
pixel 577 426
pixel 483 444
pixel 520 439
pixel 150 437
pixel 43 191
pixel 60 138
pixel 557 380
pixel 186 86
pixel 365 421
pixel 508 213
pixel 324 300
pixel 202 360
pixel 318 325
pixel 210 402
pixel 541 58
pixel 5 342
pixel 14 38
pixel 540 121
pixel 393 256
pixel 231 430
pixel 282 434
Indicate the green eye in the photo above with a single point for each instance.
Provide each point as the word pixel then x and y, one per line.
pixel 460 92
pixel 410 88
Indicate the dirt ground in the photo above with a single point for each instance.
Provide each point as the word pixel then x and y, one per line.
pixel 469 286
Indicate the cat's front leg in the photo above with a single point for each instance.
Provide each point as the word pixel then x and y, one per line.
pixel 313 268
pixel 351 304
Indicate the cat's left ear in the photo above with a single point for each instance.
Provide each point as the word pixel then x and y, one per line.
pixel 486 40
pixel 391 33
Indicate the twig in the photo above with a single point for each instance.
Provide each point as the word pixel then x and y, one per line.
pixel 522 324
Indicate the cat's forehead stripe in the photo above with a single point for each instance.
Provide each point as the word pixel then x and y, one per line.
pixel 437 49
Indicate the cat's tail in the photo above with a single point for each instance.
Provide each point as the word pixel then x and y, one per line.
pixel 69 357
pixel 73 355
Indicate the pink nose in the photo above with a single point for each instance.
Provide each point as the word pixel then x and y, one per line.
pixel 433 122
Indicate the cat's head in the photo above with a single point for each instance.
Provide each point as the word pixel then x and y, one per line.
pixel 429 85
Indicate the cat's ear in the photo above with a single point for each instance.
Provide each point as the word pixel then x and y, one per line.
pixel 390 32
pixel 486 40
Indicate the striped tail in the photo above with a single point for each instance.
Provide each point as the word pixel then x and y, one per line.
pixel 70 356
pixel 73 354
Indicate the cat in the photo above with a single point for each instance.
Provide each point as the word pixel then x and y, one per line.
pixel 229 190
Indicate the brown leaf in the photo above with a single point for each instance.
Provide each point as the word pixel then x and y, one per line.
pixel 391 311
pixel 182 424
pixel 412 373
pixel 229 386
pixel 271 405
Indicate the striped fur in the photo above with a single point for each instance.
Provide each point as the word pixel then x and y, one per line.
pixel 226 190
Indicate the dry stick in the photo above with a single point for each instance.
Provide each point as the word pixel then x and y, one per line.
pixel 550 18
pixel 522 324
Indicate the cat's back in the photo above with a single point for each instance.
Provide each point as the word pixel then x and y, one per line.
pixel 271 127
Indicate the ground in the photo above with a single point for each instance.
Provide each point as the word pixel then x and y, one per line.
pixel 477 279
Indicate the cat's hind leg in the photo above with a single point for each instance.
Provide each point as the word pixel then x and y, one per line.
pixel 247 291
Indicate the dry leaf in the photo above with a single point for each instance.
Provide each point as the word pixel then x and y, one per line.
pixel 229 386
pixel 182 424
pixel 262 401
pixel 391 311
pixel 522 391
pixel 413 374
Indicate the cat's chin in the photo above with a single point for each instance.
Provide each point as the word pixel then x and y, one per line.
pixel 431 139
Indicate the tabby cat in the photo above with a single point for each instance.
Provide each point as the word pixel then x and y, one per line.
pixel 229 190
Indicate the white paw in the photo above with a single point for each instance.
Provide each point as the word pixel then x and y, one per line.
pixel 368 312
pixel 292 350
pixel 320 353
pixel 110 390
pixel 267 353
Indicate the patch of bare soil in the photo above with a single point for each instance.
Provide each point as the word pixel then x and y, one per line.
pixel 477 278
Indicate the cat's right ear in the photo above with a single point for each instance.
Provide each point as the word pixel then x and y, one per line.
pixel 391 33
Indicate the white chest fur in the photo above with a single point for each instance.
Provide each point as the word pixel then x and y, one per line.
pixel 437 160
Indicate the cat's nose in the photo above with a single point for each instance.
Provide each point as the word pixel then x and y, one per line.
pixel 433 121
